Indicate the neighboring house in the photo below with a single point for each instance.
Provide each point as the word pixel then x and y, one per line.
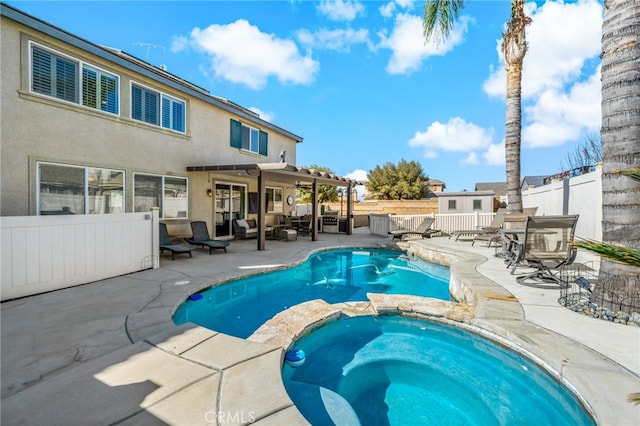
pixel 436 185
pixel 532 182
pixel 88 129
pixel 500 190
pixel 465 202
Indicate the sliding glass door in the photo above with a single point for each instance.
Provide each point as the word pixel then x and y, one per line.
pixel 230 204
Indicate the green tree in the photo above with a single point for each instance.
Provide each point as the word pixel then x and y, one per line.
pixel 439 19
pixel 404 181
pixel 326 193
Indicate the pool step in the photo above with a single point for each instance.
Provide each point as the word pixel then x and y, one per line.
pixel 328 407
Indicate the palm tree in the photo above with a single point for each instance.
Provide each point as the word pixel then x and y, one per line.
pixel 620 139
pixel 441 14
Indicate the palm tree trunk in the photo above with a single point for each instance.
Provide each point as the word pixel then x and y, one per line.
pixel 512 139
pixel 620 144
pixel 514 47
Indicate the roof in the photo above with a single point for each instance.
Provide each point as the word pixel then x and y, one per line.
pixel 500 188
pixel 432 181
pixel 139 66
pixel 533 180
pixel 465 194
pixel 283 171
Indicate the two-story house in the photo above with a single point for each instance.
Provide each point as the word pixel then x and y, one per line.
pixel 88 129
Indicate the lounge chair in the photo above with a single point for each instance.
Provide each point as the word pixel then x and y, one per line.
pixel 491 233
pixel 547 245
pixel 200 237
pixel 424 230
pixel 493 227
pixel 167 244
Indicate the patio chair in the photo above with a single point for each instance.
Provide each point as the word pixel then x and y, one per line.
pixel 200 237
pixel 491 234
pixel 513 228
pixel 547 245
pixel 493 226
pixel 424 230
pixel 167 244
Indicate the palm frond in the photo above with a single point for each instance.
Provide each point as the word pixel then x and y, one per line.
pixel 622 254
pixel 440 15
pixel 632 173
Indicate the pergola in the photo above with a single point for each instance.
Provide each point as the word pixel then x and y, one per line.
pixel 287 174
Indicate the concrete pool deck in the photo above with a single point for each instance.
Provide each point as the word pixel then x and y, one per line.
pixel 108 353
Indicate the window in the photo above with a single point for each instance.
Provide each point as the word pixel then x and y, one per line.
pixel 248 138
pixel 453 205
pixel 157 108
pixel 59 77
pixel 477 204
pixel 67 189
pixel 169 193
pixel 274 200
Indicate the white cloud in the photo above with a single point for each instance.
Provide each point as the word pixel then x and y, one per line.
pixel 340 40
pixel 559 116
pixel 406 42
pixel 561 92
pixel 494 155
pixel 560 38
pixel 388 9
pixel 179 43
pixel 472 158
pixel 239 52
pixel 267 116
pixel 357 174
pixel 340 10
pixel 456 135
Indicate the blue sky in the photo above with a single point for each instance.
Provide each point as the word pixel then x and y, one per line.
pixel 356 80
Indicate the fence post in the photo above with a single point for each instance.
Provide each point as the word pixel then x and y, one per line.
pixel 476 219
pixel 155 236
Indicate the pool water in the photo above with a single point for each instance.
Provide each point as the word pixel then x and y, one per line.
pixel 240 307
pixel 393 370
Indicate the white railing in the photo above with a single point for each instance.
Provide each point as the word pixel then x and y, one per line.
pixel 44 253
pixel 380 224
pixel 448 223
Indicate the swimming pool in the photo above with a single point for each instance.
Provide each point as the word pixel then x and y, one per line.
pixel 393 370
pixel 240 306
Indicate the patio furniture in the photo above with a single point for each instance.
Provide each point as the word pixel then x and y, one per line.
pixel 424 230
pixel 167 244
pixel 547 245
pixel 491 233
pixel 513 228
pixel 493 227
pixel 288 235
pixel 247 228
pixel 200 237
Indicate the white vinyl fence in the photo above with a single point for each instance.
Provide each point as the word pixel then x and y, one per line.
pixel 44 253
pixel 581 195
pixel 380 224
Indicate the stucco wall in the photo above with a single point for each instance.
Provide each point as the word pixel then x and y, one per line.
pixel 37 128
